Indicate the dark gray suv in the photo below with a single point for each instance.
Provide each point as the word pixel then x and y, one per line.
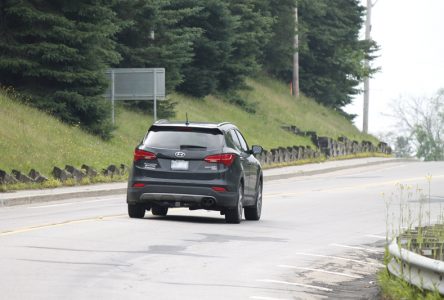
pixel 195 165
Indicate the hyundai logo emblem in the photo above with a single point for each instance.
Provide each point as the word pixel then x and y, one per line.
pixel 179 154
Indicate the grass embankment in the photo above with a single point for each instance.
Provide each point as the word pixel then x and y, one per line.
pixel 32 139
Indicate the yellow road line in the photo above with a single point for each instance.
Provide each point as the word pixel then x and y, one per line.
pixel 367 185
pixel 37 227
pixel 392 182
pixel 32 228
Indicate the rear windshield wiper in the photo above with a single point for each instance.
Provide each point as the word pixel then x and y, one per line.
pixel 191 147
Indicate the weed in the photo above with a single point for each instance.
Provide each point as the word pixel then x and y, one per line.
pixel 415 232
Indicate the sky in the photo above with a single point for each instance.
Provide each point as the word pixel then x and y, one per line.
pixel 410 34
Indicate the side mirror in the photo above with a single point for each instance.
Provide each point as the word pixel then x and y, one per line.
pixel 256 149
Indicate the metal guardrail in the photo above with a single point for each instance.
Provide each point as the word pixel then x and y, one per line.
pixel 421 271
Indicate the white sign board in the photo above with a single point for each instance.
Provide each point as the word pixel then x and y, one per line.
pixel 136 84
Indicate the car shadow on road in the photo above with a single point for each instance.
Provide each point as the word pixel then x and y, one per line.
pixel 187 219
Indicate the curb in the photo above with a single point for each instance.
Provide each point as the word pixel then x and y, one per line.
pixel 12 201
pixel 60 196
pixel 330 170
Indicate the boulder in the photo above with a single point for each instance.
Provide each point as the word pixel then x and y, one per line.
pixel 5 178
pixel 61 174
pixel 76 173
pixel 90 171
pixel 21 177
pixel 112 170
pixel 124 169
pixel 36 176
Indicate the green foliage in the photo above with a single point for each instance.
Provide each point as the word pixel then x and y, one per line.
pixel 212 49
pixel 55 53
pixel 402 147
pixel 331 55
pixel 252 30
pixel 165 108
pixel 25 130
pixel 154 35
pixel 278 52
pixel 422 119
pixel 235 98
pixel 394 288
pixel 429 147
pixel 230 47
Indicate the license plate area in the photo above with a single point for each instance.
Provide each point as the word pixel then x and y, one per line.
pixel 179 165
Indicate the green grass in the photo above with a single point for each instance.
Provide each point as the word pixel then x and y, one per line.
pixel 32 139
pixel 394 288
pixel 275 107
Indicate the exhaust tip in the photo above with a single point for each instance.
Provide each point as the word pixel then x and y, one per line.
pixel 208 202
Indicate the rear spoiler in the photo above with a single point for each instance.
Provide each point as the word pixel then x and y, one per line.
pixel 164 127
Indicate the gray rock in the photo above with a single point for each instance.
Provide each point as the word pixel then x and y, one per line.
pixel 124 169
pixel 21 177
pixel 5 178
pixel 90 171
pixel 61 175
pixel 112 170
pixel 36 176
pixel 76 173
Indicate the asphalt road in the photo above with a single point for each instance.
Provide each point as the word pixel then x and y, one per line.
pixel 320 236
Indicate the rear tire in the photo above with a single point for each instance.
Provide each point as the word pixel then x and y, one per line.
pixel 234 215
pixel 159 211
pixel 254 213
pixel 136 211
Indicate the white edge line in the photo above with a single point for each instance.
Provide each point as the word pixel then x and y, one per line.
pixel 357 248
pixel 376 236
pixel 50 205
pixel 297 284
pixel 68 203
pixel 341 258
pixel 264 298
pixel 319 270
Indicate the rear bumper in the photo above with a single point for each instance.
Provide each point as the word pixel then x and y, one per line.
pixel 194 197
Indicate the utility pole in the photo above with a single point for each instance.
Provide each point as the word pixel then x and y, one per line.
pixel 295 82
pixel 368 29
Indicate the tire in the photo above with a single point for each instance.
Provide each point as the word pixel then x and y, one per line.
pixel 159 210
pixel 254 213
pixel 136 211
pixel 234 215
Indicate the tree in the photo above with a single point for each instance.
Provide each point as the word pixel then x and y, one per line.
pixel 278 52
pixel 55 53
pixel 423 119
pixel 212 50
pixel 331 55
pixel 153 36
pixel 252 30
pixel 402 147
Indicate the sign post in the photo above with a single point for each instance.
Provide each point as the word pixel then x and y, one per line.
pixel 155 95
pixel 112 94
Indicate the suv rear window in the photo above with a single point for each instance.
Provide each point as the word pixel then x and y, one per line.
pixel 184 138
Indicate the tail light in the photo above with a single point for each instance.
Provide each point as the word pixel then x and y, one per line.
pixel 138 185
pixel 219 189
pixel 227 159
pixel 142 154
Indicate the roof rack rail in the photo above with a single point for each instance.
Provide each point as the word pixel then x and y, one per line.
pixel 223 123
pixel 161 121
